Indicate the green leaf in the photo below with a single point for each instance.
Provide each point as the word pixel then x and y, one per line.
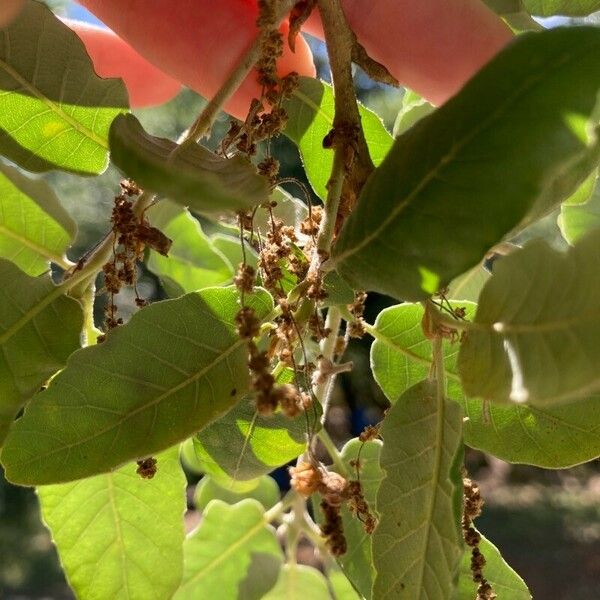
pixel 194 177
pixel 290 210
pixel 175 367
pixel 264 490
pixel 357 563
pixel 515 141
pixel 310 113
pixel 469 285
pixel 413 109
pixel 193 262
pixel 39 329
pixel 553 438
pixel 535 335
pixel 503 579
pixel 231 249
pixel 299 582
pixel 417 545
pixel 118 535
pixel 576 220
pixel 34 227
pixel 244 445
pixel 338 291
pixel 342 588
pixel 55 112
pixel 234 553
pixel 570 8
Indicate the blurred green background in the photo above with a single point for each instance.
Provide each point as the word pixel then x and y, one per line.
pixel 546 523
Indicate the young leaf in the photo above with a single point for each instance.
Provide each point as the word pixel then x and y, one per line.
pixel 243 445
pixel 39 329
pixel 413 109
pixel 174 368
pixel 341 587
pixel 570 8
pixel 310 113
pixel 299 582
pixel 503 579
pixel 34 228
pixel 552 438
pixel 234 553
pixel 194 177
pixel 576 220
pixel 535 335
pixel 193 262
pixel 357 563
pixel 417 545
pixel 264 490
pixel 55 112
pixel 118 535
pixel 465 176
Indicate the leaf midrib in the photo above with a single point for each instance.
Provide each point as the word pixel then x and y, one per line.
pixel 53 106
pixel 481 127
pixel 44 252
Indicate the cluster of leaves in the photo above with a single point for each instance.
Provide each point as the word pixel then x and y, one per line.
pixel 505 362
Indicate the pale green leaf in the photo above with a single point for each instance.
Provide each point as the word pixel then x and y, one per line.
pixel 571 8
pixel 413 109
pixel 34 227
pixel 55 112
pixel 468 286
pixel 507 585
pixel 264 490
pixel 514 142
pixel 535 335
pixel 39 328
pixel 341 586
pixel 175 367
pixel 576 220
pixel 118 535
pixel 310 113
pixel 299 582
pixel 193 262
pixel 244 445
pixel 417 545
pixel 194 177
pixel 357 563
pixel 292 211
pixel 231 249
pixel 553 438
pixel 233 554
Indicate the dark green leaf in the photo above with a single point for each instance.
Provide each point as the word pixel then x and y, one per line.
pixel 535 335
pixel 193 262
pixel 55 112
pixel 194 177
pixel 504 581
pixel 118 535
pixel 174 368
pixel 417 545
pixel 553 438
pixel 518 139
pixel 311 118
pixel 34 228
pixel 571 8
pixel 234 553
pixel 39 328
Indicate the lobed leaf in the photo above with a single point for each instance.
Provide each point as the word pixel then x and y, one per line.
pixel 310 113
pixel 118 535
pixel 417 545
pixel 55 112
pixel 193 262
pixel 193 176
pixel 34 227
pixel 39 328
pixel 174 368
pixel 553 438
pixel 514 142
pixel 534 337
pixel 234 553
